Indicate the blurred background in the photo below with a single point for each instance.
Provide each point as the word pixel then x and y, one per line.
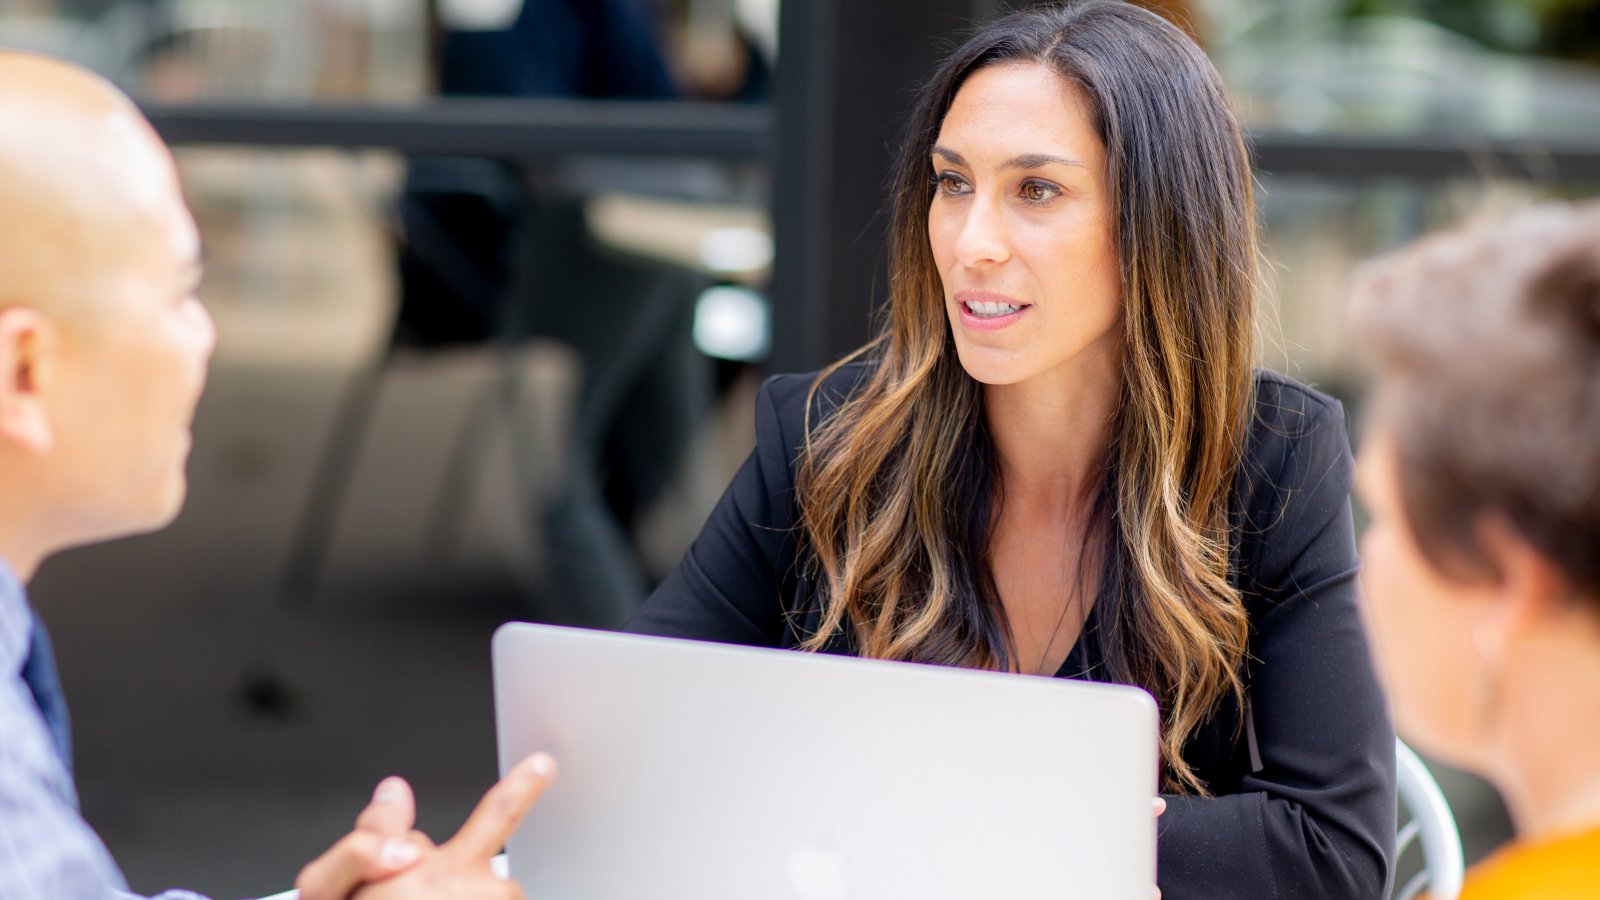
pixel 496 281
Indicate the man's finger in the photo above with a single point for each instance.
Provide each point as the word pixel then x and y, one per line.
pixel 392 811
pixel 357 858
pixel 502 809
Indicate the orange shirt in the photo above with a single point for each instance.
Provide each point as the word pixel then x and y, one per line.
pixel 1564 868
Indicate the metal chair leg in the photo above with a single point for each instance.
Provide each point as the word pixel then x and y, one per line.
pixel 309 546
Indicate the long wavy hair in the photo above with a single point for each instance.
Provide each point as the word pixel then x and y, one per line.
pixel 898 487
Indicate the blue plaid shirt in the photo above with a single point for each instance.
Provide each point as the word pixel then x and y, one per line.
pixel 47 850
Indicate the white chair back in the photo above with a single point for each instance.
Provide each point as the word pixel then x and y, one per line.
pixel 1432 824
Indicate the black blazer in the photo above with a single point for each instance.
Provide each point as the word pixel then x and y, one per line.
pixel 1303 787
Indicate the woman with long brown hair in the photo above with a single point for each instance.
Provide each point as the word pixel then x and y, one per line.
pixel 1058 459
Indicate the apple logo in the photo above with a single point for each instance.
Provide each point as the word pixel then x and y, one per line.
pixel 817 873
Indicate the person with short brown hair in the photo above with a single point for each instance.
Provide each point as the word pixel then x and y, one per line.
pixel 1482 563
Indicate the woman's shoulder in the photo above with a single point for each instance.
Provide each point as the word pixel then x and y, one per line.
pixel 783 398
pixel 1293 481
pixel 1286 409
pixel 1296 434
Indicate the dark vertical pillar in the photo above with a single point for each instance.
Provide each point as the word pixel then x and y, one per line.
pixel 847 73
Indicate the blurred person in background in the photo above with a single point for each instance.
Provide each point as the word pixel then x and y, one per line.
pixel 104 348
pixel 500 250
pixel 1481 471
pixel 1058 458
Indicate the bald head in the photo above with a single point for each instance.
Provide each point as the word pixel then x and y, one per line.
pixel 103 342
pixel 85 186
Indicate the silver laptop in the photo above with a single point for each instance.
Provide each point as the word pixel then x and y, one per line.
pixel 694 770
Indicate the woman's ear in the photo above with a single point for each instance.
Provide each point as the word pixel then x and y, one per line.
pixel 1529 589
pixel 27 342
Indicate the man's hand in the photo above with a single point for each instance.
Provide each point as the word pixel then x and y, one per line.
pixel 381 845
pixel 384 844
pixel 459 868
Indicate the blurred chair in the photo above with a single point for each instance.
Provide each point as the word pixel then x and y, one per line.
pixel 453 258
pixel 1433 825
pixel 643 387
pixel 484 257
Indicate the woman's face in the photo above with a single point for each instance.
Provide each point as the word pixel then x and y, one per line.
pixel 1422 623
pixel 1021 227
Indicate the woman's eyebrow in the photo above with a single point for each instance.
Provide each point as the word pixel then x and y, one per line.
pixel 1040 160
pixel 1023 161
pixel 951 156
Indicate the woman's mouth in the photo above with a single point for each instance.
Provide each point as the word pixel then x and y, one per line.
pixel 982 313
pixel 985 310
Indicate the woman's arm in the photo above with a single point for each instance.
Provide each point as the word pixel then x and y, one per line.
pixel 1316 817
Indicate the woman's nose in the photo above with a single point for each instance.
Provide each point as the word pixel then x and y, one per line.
pixel 983 239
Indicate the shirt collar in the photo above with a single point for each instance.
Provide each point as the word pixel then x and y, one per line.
pixel 16 620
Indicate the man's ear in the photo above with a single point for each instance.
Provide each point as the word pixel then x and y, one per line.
pixel 27 343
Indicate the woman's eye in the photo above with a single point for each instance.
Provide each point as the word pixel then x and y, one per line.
pixel 950 184
pixel 1038 192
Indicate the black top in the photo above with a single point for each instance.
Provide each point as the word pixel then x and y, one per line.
pixel 1304 791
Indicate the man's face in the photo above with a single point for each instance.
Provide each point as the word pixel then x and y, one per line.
pixel 133 362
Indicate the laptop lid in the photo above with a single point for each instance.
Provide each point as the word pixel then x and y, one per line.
pixel 704 771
